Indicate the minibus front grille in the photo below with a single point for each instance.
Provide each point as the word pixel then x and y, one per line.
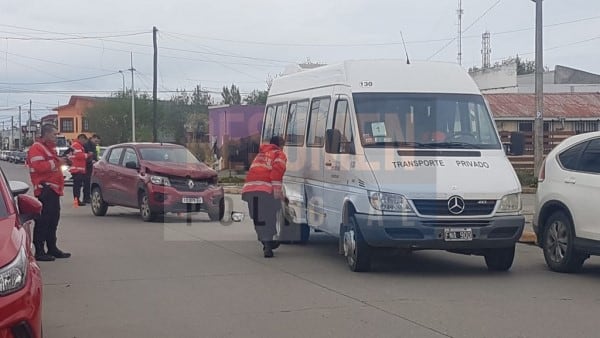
pixel 440 207
pixel 460 223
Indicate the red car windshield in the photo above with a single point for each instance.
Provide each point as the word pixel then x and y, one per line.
pixel 168 154
pixel 3 201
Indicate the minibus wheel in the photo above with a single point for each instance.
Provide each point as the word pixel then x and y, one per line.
pixel 500 259
pixel 356 250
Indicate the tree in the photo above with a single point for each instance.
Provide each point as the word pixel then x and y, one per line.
pixel 201 98
pixel 525 67
pixel 257 97
pixel 231 96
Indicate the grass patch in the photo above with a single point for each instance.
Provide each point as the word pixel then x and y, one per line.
pixel 231 180
pixel 527 178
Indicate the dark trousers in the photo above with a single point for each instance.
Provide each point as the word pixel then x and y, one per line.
pixel 78 183
pixel 46 224
pixel 263 208
pixel 87 185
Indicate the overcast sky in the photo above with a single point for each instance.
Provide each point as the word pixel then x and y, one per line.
pixel 216 43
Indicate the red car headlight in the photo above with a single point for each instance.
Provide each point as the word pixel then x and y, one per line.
pixel 14 275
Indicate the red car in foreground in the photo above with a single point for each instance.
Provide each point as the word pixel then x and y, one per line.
pixel 20 276
pixel 156 178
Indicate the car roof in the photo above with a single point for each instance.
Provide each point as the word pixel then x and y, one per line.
pixel 146 145
pixel 574 140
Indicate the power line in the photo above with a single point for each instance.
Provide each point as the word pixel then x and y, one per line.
pixel 54 82
pixel 70 38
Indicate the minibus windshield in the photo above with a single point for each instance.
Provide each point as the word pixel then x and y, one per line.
pixel 424 120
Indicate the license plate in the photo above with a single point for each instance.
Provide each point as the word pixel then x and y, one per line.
pixel 191 200
pixel 458 234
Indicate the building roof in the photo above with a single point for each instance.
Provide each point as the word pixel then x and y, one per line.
pixel 74 99
pixel 556 105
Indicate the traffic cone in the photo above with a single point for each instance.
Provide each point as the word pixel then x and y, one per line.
pixel 75 203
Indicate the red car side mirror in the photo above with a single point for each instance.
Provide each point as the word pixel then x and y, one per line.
pixel 29 207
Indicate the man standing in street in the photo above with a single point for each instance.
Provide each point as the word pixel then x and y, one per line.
pixel 90 147
pixel 48 181
pixel 262 191
pixel 78 168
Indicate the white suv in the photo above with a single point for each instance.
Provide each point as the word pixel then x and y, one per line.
pixel 566 221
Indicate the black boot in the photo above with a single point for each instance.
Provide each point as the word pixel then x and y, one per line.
pixel 54 251
pixel 267 250
pixel 41 255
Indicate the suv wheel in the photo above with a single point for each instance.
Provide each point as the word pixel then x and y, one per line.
pixel 559 251
pixel 99 207
pixel 145 211
pixel 500 259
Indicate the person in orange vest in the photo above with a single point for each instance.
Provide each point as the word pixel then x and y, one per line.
pixel 78 158
pixel 48 182
pixel 262 191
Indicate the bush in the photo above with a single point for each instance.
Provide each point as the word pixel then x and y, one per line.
pixel 527 178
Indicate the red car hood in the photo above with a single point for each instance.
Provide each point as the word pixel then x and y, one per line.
pixel 10 240
pixel 193 170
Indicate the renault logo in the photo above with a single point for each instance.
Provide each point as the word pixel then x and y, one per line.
pixel 190 184
pixel 456 205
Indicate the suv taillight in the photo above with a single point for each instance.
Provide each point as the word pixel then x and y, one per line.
pixel 542 173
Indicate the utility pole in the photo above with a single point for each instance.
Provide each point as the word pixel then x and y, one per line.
pixel 538 151
pixel 20 129
pixel 12 133
pixel 132 102
pixel 29 122
pixel 154 136
pixel 460 13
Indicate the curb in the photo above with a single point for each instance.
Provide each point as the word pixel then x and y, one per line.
pixel 528 237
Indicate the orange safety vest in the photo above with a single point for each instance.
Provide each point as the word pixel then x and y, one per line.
pixel 78 158
pixel 266 171
pixel 44 168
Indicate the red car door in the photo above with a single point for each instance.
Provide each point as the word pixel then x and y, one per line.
pixel 109 184
pixel 129 178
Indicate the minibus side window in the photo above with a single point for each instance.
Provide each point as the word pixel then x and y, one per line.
pixel 341 135
pixel 317 122
pixel 268 124
pixel 275 119
pixel 296 123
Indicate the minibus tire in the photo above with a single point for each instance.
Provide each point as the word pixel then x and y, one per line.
pixel 359 258
pixel 500 259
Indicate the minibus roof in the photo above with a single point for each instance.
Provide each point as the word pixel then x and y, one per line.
pixel 381 76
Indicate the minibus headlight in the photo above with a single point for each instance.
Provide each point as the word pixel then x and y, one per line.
pixel 510 203
pixel 389 202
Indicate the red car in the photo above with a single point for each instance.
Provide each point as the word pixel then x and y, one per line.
pixel 156 179
pixel 20 276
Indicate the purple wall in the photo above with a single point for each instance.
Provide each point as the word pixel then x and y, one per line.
pixel 236 121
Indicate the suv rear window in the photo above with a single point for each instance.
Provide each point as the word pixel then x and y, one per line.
pixel 568 158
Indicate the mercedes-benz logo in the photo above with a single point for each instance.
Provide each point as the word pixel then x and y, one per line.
pixel 456 205
pixel 190 184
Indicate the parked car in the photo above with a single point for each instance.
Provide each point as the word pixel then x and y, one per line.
pixel 67 174
pixel 156 179
pixel 4 155
pixel 19 156
pixel 10 156
pixel 566 218
pixel 20 276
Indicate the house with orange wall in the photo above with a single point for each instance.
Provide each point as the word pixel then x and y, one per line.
pixel 71 119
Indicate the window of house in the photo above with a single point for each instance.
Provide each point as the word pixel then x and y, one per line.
pixel 585 126
pixel 296 123
pixel 67 125
pixel 317 122
pixel 85 124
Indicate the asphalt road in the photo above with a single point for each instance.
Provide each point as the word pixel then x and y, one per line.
pixel 204 279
